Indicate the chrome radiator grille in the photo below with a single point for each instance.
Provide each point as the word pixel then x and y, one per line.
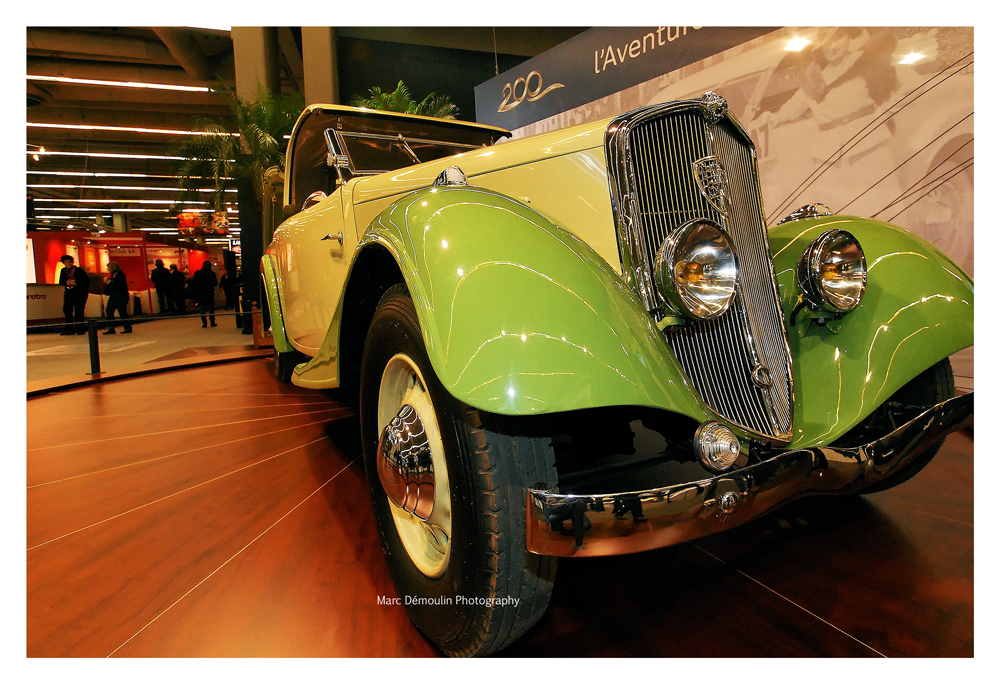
pixel 651 153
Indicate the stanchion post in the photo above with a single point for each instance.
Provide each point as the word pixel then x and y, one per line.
pixel 95 354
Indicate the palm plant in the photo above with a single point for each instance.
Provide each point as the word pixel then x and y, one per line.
pixel 225 159
pixel 400 100
pixel 219 156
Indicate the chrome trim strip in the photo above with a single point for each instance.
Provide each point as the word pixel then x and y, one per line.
pixel 628 522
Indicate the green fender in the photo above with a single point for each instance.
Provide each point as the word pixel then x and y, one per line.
pixel 917 310
pixel 518 315
pixel 267 271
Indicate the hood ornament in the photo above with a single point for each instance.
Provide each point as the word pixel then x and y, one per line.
pixel 715 106
pixel 710 176
pixel 807 211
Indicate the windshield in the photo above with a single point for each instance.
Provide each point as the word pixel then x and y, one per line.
pixel 369 153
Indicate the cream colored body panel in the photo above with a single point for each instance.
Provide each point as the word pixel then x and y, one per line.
pixel 562 175
pixel 313 270
pixel 571 190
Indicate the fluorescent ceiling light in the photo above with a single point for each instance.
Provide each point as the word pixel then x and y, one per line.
pixel 92 174
pixel 159 131
pixel 119 84
pixel 121 187
pixel 796 44
pixel 116 210
pixel 114 201
pixel 110 155
pixel 911 58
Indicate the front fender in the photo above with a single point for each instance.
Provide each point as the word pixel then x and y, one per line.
pixel 269 275
pixel 518 315
pixel 917 310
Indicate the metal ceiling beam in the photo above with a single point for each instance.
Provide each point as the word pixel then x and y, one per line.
pixel 185 50
pixel 179 120
pixel 290 51
pixel 158 166
pixel 98 46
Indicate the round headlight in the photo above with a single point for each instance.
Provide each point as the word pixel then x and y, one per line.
pixel 696 271
pixel 832 272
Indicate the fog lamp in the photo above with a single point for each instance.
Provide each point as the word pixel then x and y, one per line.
pixel 716 445
pixel 832 272
pixel 695 270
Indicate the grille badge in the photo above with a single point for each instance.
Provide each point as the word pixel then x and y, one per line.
pixel 761 376
pixel 710 176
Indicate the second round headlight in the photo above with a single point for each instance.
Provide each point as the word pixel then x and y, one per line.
pixel 696 270
pixel 832 272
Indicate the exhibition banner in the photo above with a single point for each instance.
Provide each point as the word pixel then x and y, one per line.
pixel 597 63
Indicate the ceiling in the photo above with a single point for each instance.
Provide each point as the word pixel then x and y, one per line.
pixel 96 166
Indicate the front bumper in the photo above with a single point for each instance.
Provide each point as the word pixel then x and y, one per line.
pixel 614 524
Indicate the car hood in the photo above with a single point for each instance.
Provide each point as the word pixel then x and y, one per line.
pixel 503 155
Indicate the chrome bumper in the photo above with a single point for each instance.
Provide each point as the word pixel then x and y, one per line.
pixel 612 524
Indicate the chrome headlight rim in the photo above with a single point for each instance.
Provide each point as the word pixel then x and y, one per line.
pixel 665 264
pixel 809 272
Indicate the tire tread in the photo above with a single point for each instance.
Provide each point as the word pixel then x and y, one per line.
pixel 498 452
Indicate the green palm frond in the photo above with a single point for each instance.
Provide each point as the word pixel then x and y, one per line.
pixel 400 100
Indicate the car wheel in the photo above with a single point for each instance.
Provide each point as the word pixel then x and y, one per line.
pixel 448 486
pixel 934 385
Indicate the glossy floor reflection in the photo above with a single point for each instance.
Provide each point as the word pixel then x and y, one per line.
pixel 215 512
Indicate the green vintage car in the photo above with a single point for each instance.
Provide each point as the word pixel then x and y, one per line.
pixel 587 343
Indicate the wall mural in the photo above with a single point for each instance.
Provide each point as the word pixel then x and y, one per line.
pixel 875 122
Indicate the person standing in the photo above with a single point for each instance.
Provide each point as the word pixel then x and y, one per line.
pixel 228 285
pixel 161 281
pixel 176 288
pixel 77 284
pixel 203 285
pixel 117 291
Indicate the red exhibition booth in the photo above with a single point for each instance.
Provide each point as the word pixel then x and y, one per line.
pixel 134 253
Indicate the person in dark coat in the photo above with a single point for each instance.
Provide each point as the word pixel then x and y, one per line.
pixel 177 282
pixel 117 291
pixel 77 284
pixel 203 284
pixel 161 281
pixel 228 285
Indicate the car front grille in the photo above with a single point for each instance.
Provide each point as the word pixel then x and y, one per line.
pixel 650 155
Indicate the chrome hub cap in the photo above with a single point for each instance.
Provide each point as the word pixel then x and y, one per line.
pixel 411 466
pixel 405 466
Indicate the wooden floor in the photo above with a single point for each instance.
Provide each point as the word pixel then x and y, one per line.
pixel 215 512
